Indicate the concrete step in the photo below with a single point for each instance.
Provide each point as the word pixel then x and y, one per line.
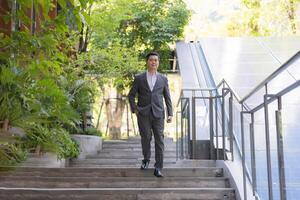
pixel 111 172
pixel 128 155
pixel 119 194
pixel 133 146
pixel 117 161
pixel 137 165
pixel 136 141
pixel 196 163
pixel 137 150
pixel 128 149
pixel 168 162
pixel 113 182
pixel 114 174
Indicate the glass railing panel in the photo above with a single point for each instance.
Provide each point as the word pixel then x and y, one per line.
pixel 202 119
pixel 256 98
pixel 260 154
pixel 247 121
pixel 184 128
pixel 217 128
pixel 272 107
pixel 294 70
pixel 228 134
pixel 237 123
pixel 280 82
pixel 291 142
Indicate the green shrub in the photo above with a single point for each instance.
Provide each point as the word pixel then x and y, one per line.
pixel 56 140
pixel 11 152
pixel 91 131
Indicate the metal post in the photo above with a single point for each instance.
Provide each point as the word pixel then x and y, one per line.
pixel 217 134
pixel 268 149
pixel 211 128
pixel 127 119
pixel 253 160
pixel 193 125
pixel 223 124
pixel 181 136
pixel 186 140
pixel 280 151
pixel 177 135
pixel 189 128
pixel 231 125
pixel 243 155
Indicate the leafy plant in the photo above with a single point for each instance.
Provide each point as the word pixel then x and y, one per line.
pixel 56 140
pixel 91 131
pixel 11 152
pixel 123 32
pixel 32 95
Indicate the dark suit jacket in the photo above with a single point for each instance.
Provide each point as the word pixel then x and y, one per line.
pixel 150 101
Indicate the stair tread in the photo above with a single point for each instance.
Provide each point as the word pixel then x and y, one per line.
pixel 119 189
pixel 114 174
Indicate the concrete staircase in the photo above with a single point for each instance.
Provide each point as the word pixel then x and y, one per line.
pixel 114 174
pixel 125 153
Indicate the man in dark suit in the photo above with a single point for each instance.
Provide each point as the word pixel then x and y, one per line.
pixel 151 87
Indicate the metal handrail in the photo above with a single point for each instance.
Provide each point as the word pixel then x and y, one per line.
pixel 246 110
pixel 284 66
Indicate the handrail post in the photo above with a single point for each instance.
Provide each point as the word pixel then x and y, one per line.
pixel 231 125
pixel 243 153
pixel 253 160
pixel 189 128
pixel 223 123
pixel 268 149
pixel 186 140
pixel 181 126
pixel 282 183
pixel 127 119
pixel 193 125
pixel 217 134
pixel 177 153
pixel 211 128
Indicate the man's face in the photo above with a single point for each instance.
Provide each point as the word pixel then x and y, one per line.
pixel 153 62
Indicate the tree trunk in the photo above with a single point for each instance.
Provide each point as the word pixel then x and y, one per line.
pixel 81 40
pixel 86 39
pixel 85 33
pixel 37 151
pixel 5 127
pixel 114 111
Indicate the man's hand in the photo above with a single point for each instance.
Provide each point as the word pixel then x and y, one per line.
pixel 169 119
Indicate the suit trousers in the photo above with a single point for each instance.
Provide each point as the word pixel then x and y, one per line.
pixel 149 124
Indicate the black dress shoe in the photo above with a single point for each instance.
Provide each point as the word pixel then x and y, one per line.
pixel 158 173
pixel 145 164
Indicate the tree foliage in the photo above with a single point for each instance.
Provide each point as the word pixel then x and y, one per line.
pixel 139 25
pixel 265 18
pixel 153 26
pixel 35 77
pixel 122 32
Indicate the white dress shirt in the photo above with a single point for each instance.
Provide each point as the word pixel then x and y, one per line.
pixel 151 79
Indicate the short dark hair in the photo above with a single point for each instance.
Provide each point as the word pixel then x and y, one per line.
pixel 153 53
